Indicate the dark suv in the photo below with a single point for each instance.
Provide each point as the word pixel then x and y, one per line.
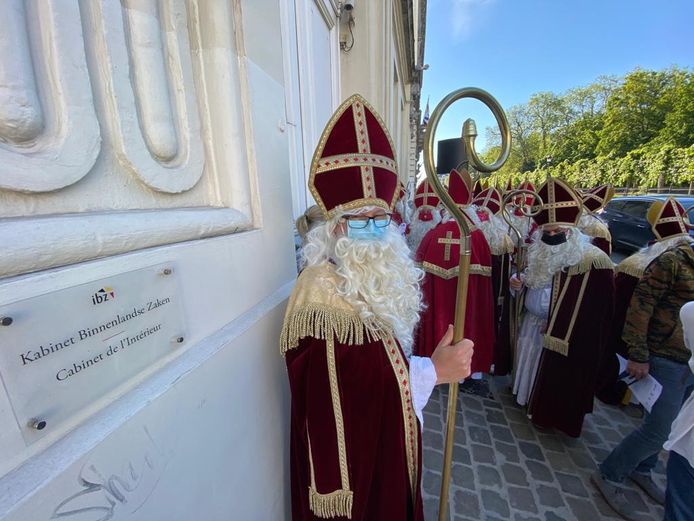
pixel 626 218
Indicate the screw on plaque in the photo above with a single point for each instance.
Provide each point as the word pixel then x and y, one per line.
pixel 177 340
pixel 37 424
pixel 166 271
pixel 6 321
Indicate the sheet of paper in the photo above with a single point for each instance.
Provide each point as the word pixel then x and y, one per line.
pixel 646 391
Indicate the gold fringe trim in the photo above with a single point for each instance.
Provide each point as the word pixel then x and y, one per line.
pixel 630 269
pixel 634 265
pixel 321 322
pixel 598 230
pixel 505 247
pixel 334 504
pixel 556 344
pixel 594 258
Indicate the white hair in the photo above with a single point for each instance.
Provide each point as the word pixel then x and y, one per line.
pixel 522 224
pixel 544 260
pixel 418 228
pixel 377 277
pixel 495 230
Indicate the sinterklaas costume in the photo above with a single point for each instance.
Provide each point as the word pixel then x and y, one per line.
pixel 488 205
pixel 580 313
pixel 668 221
pixel 439 256
pixel 590 224
pixel 355 440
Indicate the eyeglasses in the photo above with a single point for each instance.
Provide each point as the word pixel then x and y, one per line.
pixel 362 221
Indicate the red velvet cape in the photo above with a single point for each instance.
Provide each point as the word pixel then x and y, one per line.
pixel 607 391
pixel 439 294
pixel 565 385
pixel 374 432
pixel 355 444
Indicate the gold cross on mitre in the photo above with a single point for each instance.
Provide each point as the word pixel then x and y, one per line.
pixel 448 241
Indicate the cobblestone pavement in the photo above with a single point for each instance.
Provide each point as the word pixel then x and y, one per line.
pixel 506 469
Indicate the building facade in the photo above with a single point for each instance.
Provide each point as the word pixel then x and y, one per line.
pixel 153 157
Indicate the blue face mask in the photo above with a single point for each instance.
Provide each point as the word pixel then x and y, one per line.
pixel 369 232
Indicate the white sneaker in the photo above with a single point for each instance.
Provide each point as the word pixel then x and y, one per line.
pixel 650 487
pixel 614 495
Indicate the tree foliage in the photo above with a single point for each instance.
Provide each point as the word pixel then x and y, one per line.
pixel 635 131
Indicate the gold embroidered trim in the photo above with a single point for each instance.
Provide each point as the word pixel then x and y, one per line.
pixel 559 345
pixel 334 504
pixel 358 203
pixel 559 301
pixel 331 163
pixel 337 410
pixel 475 269
pixel 402 376
pixel 593 258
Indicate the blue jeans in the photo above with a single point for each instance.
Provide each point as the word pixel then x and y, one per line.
pixel 639 450
pixel 680 483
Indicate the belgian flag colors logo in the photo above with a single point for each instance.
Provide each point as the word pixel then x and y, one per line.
pixel 103 295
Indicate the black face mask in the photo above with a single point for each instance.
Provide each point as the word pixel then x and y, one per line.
pixel 554 240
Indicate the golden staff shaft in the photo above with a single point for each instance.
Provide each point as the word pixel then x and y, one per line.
pixel 469 135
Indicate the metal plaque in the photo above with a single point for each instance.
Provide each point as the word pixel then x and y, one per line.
pixel 61 351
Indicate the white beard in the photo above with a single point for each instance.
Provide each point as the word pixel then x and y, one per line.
pixel 522 224
pixel 544 261
pixel 495 230
pixel 377 277
pixel 418 229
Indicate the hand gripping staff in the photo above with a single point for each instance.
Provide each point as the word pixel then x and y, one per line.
pixel 468 137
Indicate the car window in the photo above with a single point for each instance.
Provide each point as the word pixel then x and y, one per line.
pixel 636 209
pixel 617 205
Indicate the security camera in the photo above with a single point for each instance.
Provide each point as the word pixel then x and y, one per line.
pixel 348 5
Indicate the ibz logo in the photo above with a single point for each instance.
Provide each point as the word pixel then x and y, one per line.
pixel 103 295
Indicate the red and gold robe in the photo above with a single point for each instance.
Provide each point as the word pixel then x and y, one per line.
pixel 355 441
pixel 579 318
pixel 439 255
pixel 627 275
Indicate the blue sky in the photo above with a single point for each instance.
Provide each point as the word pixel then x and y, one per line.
pixel 514 48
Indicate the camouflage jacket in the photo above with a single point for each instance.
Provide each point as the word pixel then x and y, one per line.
pixel 652 324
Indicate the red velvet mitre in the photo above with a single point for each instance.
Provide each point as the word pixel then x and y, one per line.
pixel 477 188
pixel 402 192
pixel 354 164
pixel 460 187
pixel 426 201
pixel 596 198
pixel 668 219
pixel 489 198
pixel 525 185
pixel 560 204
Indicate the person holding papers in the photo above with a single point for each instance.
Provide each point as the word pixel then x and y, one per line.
pixel 655 342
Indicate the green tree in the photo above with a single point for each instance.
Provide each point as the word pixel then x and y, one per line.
pixel 635 112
